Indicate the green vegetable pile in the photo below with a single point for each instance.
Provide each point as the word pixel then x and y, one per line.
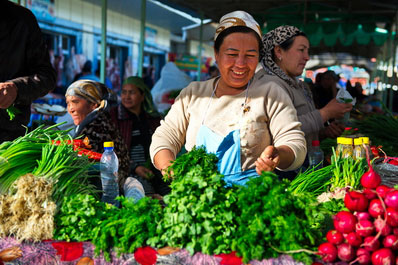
pixel 274 221
pixel 36 153
pixel 201 213
pixel 370 126
pixel 83 218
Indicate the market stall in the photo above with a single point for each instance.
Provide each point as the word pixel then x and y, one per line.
pixel 50 214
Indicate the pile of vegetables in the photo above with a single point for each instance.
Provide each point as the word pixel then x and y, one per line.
pixel 83 218
pixel 368 232
pixel 37 153
pixel 371 125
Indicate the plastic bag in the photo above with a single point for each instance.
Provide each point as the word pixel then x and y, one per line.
pixel 171 79
pixel 343 96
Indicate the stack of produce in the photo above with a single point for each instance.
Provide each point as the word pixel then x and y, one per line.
pixel 39 153
pixel 368 232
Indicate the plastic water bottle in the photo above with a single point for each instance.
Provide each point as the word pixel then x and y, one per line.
pixel 109 166
pixel 315 155
pixel 133 189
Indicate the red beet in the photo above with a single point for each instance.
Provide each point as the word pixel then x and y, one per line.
pixel 391 241
pixel 383 256
pixel 356 201
pixel 364 228
pixel 382 227
pixel 334 237
pixel 392 216
pixel 382 190
pixel 391 199
pixel 345 252
pixel 353 239
pixel 344 222
pixel 376 208
pixel 328 252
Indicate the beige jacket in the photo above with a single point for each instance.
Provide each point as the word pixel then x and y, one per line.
pixel 271 119
pixel 308 115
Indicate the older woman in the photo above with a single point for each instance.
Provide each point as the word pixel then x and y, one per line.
pixel 137 120
pixel 284 56
pixel 248 124
pixel 84 99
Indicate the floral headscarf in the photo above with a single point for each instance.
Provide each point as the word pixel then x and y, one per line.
pixel 89 90
pixel 237 18
pixel 270 41
pixel 147 105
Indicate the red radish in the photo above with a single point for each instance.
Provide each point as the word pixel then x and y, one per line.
pixel 334 237
pixel 362 215
pixel 327 251
pixel 391 199
pixel 353 239
pixel 364 228
pixel 370 179
pixel 383 256
pixel 370 194
pixel 370 243
pixel 316 263
pixel 395 231
pixel 356 201
pixel 392 217
pixel 382 190
pixel 345 252
pixel 363 256
pixel 391 241
pixel 382 227
pixel 376 208
pixel 344 222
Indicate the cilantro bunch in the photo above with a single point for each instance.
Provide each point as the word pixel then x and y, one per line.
pixel 274 221
pixel 78 216
pixel 200 213
pixel 128 228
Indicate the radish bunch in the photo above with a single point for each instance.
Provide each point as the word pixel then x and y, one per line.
pixel 368 232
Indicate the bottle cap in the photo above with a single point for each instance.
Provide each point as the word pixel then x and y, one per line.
pixel 357 141
pixel 315 143
pixel 108 144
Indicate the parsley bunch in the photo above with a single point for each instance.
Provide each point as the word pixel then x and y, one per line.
pixel 201 213
pixel 78 216
pixel 274 221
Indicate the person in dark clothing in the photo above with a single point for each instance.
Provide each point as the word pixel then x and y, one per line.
pixel 26 72
pixel 137 120
pixel 86 101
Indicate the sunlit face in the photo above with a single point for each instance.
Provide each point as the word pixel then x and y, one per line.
pixel 79 108
pixel 132 97
pixel 237 59
pixel 294 59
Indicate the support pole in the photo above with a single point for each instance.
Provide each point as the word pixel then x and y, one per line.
pixel 103 40
pixel 142 38
pixel 200 48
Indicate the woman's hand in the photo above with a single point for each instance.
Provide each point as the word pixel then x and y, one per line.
pixel 144 172
pixel 268 160
pixel 335 110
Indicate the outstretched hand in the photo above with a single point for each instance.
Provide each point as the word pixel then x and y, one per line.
pixel 268 160
pixel 8 94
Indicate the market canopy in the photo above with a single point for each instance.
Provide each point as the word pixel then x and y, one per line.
pixel 358 27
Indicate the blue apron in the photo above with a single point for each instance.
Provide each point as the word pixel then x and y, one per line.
pixel 227 150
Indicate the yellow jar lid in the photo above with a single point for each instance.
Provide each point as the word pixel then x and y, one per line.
pixel 347 141
pixel 108 144
pixel 365 140
pixel 357 141
pixel 339 140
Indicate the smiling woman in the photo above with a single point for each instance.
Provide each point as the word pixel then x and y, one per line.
pixel 251 127
pixel 86 102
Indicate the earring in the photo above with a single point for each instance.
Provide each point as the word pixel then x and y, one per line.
pixel 280 58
